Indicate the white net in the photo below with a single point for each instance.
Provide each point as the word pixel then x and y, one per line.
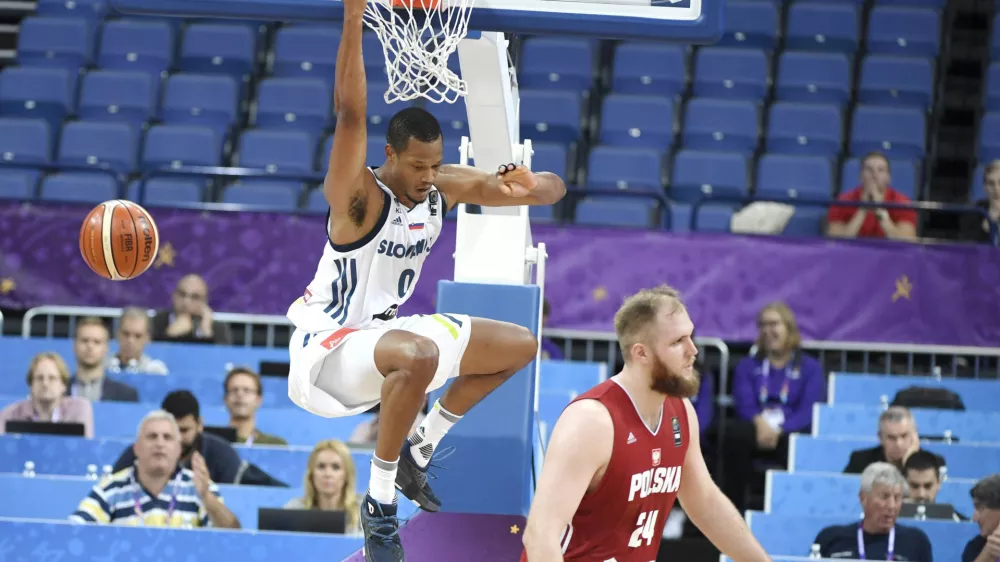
pixel 418 37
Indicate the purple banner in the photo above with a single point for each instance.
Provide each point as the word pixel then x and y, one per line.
pixel 259 263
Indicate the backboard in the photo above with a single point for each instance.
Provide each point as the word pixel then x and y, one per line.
pixel 688 21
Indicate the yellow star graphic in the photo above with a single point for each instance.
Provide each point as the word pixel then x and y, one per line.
pixel 599 294
pixel 165 256
pixel 514 529
pixel 903 288
pixel 7 285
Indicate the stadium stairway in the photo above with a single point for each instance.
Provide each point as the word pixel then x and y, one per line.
pixel 11 13
pixel 431 537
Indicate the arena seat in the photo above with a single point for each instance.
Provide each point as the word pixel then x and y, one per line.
pixel 557 64
pixel 201 99
pixel 897 132
pixel 968 426
pixel 625 169
pixel 17 185
pixel 751 24
pixel 913 32
pixel 615 211
pixel 715 218
pixel 896 81
pixel 45 93
pixel 872 390
pixel 88 9
pixel 649 69
pixel 113 146
pixel 218 48
pixel 823 26
pixel 727 73
pixel 637 121
pixel 166 192
pixel 552 157
pixel 454 117
pixel 976 190
pixel 79 187
pixel 811 129
pixel 696 174
pixel 904 176
pixel 373 57
pixel 181 145
pixel 305 52
pixel 989 139
pixel 60 42
pixel 279 152
pixel 780 175
pixel 992 96
pixel 721 125
pixel 294 103
pixel 813 77
pixel 805 222
pixel 264 196
pixel 316 201
pixel 551 116
pixel 137 45
pixel 25 143
pixel 542 213
pixel 118 95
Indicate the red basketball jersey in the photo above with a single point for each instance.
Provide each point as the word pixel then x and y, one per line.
pixel 622 520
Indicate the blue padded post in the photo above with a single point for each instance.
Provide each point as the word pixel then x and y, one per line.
pixel 490 470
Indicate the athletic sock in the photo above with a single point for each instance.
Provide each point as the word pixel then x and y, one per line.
pixel 426 438
pixel 382 483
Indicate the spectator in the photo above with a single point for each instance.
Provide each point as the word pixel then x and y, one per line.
pixel 366 432
pixel 858 222
pixel 133 335
pixel 224 465
pixel 48 379
pixel 897 434
pixel 877 536
pixel 774 391
pixel 923 476
pixel 90 345
pixel 549 348
pixel 329 483
pixel 973 226
pixel 243 395
pixel 986 499
pixel 190 320
pixel 137 494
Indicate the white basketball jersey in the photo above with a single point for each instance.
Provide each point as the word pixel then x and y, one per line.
pixel 363 284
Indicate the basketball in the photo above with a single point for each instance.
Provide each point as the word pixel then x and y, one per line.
pixel 119 240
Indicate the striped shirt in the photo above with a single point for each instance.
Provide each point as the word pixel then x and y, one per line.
pixel 113 501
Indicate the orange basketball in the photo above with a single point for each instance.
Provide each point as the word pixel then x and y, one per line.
pixel 119 240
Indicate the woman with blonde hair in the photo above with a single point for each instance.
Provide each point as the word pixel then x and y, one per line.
pixel 329 483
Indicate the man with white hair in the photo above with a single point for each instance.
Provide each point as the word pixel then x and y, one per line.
pixel 156 491
pixel 877 536
pixel 898 439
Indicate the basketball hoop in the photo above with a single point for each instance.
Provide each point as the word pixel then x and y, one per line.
pixel 418 37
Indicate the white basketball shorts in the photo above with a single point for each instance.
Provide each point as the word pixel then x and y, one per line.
pixel 333 373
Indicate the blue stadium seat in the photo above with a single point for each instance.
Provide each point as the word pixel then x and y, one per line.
pixel 898 132
pixel 45 93
pixel 452 154
pixel 374 57
pixel 912 32
pixel 781 175
pixel 989 137
pixel 18 185
pixel 615 211
pixel 550 116
pixel 144 45
pixel 904 176
pixel 714 218
pixel 805 128
pixel 24 143
pixel 98 144
pixel 935 4
pixel 992 101
pixel 750 24
pixel 977 190
pixel 822 27
pixel 316 201
pixel 79 187
pixel 542 213
pixel 896 81
pixel 87 9
pixel 270 196
pixel 278 152
pixel 218 48
pixel 118 95
pixel 813 77
pixel 201 99
pixel 649 69
pixel 375 152
pixel 721 72
pixel 306 52
pixel 995 38
pixel 721 125
pixel 55 42
pixel 380 112
pixel 557 64
pixel 696 174
pixel 454 117
pixel 638 121
pixel 806 223
pixel 631 169
pixel 166 192
pixel 294 103
pixel 181 145
pixel 552 157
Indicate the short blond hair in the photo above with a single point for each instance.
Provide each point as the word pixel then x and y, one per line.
pixel 55 358
pixel 639 311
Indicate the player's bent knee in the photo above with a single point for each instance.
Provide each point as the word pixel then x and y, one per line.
pixel 525 346
pixel 420 357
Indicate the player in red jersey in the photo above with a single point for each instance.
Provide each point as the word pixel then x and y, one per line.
pixel 622 452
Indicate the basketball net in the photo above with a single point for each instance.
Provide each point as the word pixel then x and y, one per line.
pixel 418 37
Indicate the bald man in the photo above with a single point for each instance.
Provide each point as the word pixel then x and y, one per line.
pixel 190 320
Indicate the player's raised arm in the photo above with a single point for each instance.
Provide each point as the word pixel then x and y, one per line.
pixel 580 446
pixel 709 509
pixel 510 186
pixel 346 176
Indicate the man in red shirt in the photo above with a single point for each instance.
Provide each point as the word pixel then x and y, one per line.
pixel 866 222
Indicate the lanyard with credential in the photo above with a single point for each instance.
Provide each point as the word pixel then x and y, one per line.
pixel 765 371
pixel 861 543
pixel 137 496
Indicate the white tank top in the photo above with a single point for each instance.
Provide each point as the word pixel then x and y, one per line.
pixel 363 284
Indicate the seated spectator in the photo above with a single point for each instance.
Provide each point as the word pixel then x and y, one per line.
pixel 48 379
pixel 243 395
pixel 973 226
pixel 863 222
pixel 549 348
pixel 138 494
pixel 90 345
pixel 774 391
pixel 133 335
pixel 877 536
pixel 224 464
pixel 190 320
pixel 366 432
pixel 897 434
pixel 329 483
pixel 923 476
pixel 986 499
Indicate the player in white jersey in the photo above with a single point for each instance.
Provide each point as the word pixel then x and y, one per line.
pixel 349 351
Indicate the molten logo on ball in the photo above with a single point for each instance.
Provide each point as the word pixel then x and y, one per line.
pixel 108 240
